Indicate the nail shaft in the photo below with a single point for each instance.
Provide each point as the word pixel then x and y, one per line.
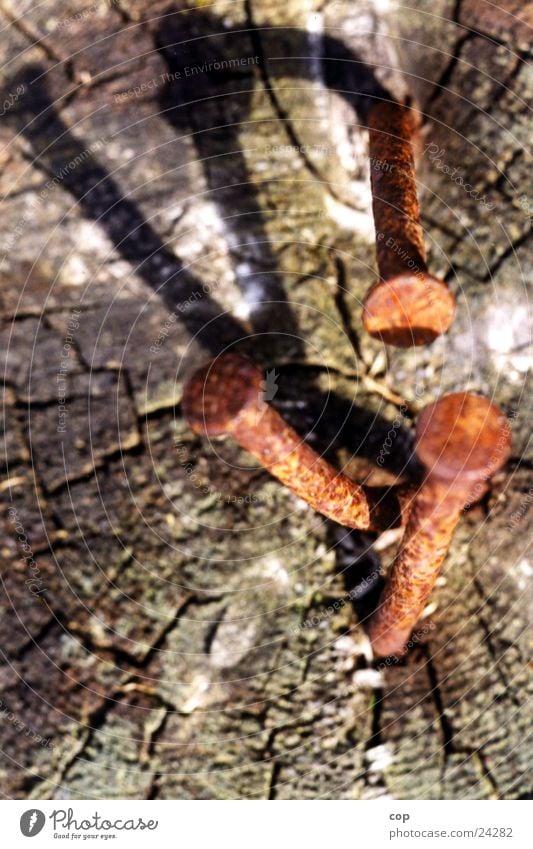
pixel 462 440
pixel 394 196
pixel 407 306
pixel 226 397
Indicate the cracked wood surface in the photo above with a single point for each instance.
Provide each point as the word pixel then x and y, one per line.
pixel 194 631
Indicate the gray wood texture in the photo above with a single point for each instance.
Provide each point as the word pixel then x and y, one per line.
pixel 174 624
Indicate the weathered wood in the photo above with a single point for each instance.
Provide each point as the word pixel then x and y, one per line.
pixel 193 630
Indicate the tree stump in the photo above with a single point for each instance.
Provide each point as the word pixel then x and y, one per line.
pixel 178 181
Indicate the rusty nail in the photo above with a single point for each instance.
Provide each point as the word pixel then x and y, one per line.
pixel 226 397
pixel 462 440
pixel 407 306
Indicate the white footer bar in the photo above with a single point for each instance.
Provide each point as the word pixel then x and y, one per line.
pixel 267 825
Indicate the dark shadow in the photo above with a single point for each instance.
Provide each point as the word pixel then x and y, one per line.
pixel 214 102
pixel 209 92
pixel 195 40
pixel 57 151
pixel 213 105
pixel 328 422
pixel 359 566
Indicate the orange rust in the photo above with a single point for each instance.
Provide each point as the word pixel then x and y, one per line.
pixel 407 306
pixel 462 440
pixel 225 397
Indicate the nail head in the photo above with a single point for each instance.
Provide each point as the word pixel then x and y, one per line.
pixel 409 309
pixel 219 391
pixel 462 436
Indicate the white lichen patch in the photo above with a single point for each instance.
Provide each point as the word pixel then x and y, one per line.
pixel 360 223
pixel 233 640
pixel 74 271
pixel 362 645
pixel 379 758
pixel 526 568
pixel 92 238
pixel 388 538
pixel 253 293
pixel 507 331
pixel 368 678
pixel 300 505
pixel 429 610
pixel 525 571
pixel 202 233
pixel 196 694
pixel 275 571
